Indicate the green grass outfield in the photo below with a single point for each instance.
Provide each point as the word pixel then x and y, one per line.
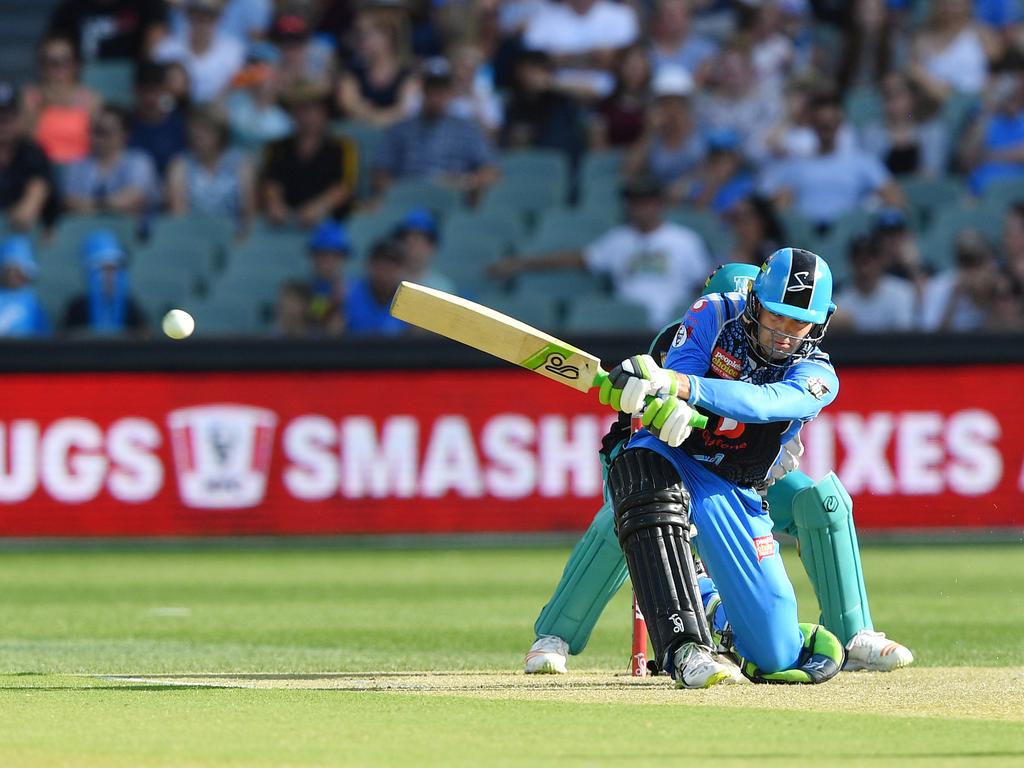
pixel 299 657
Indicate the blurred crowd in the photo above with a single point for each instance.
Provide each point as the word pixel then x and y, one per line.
pixel 861 129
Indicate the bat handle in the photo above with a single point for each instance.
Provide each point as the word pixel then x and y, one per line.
pixel 697 420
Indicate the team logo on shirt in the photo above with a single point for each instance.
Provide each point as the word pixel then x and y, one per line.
pixel 764 546
pixel 681 335
pixel 725 365
pixel 817 387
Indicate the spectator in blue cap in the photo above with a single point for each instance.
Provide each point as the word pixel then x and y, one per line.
pixel 329 249
pixel 369 298
pixel 21 314
pixel 722 179
pixel 107 306
pixel 418 236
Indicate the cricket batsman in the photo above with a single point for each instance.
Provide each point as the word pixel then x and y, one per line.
pixel 818 515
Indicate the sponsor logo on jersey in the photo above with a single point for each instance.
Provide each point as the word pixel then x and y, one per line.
pixel 725 365
pixel 817 387
pixel 681 335
pixel 765 547
pixel 699 305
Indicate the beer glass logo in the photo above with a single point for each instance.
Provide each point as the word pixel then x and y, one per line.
pixel 222 454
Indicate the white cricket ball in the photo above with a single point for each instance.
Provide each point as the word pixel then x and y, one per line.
pixel 178 324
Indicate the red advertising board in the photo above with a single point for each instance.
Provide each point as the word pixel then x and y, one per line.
pixel 448 451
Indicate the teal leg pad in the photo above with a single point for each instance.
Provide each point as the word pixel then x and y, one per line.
pixel 595 572
pixel 823 516
pixel 780 500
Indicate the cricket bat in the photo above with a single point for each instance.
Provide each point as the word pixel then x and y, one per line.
pixel 505 337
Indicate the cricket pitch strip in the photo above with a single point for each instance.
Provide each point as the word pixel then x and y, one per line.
pixel 988 693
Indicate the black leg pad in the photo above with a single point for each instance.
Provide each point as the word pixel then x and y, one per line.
pixel 652 521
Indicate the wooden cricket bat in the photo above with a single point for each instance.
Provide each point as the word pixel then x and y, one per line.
pixel 497 334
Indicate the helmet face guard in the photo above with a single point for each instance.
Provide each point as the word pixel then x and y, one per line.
pixel 767 354
pixel 793 283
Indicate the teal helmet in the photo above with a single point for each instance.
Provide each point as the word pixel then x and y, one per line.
pixel 729 278
pixel 792 283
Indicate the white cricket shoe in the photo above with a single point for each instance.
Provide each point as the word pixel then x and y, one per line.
pixel 697 668
pixel 874 652
pixel 547 656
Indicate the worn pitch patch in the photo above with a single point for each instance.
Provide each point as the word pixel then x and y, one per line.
pixel 957 692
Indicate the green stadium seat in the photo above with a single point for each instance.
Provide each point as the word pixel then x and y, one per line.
pixel 159 293
pixel 539 311
pixel 113 80
pixel 547 164
pixel 415 193
pixel 56 289
pixel 527 194
pixel 601 168
pixel 926 195
pixel 862 105
pixel 506 228
pixel 563 284
pixel 195 240
pixel 939 241
pixel 715 233
pixel 72 229
pixel 598 313
pixel 1002 193
pixel 277 253
pixel 564 228
pixel 229 314
pixel 466 262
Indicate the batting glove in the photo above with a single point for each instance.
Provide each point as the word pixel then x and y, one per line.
pixel 788 462
pixel 632 381
pixel 668 419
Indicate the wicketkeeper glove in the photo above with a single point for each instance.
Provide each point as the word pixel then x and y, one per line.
pixel 668 419
pixel 632 381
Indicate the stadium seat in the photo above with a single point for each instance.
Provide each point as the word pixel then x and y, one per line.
pixel 72 229
pixel 561 228
pixel 862 105
pixel 796 230
pixel 367 228
pixel 926 195
pixel 224 314
pixel 563 284
pixel 466 261
pixel 601 168
pixel 277 254
pixel 55 290
pixel 539 311
pixel 527 194
pixel 1002 193
pixel 598 313
pixel 939 241
pixel 414 193
pixel 716 235
pixel 549 164
pixel 195 243
pixel 113 80
pixel 503 227
pixel 159 293
pixel 834 246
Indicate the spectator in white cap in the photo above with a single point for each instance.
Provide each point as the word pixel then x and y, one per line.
pixel 21 314
pixel 671 148
pixel 211 57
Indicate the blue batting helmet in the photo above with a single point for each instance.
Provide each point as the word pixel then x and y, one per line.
pixel 793 283
pixel 796 283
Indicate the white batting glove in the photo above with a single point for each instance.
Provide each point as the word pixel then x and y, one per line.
pixel 668 419
pixel 788 462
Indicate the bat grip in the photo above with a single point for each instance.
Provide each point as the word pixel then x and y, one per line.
pixel 697 420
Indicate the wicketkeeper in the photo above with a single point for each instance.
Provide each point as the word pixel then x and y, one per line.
pixel 755 369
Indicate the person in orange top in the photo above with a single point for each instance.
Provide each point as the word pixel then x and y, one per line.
pixel 58 110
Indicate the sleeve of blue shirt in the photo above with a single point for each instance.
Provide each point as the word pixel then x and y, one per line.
pixel 807 387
